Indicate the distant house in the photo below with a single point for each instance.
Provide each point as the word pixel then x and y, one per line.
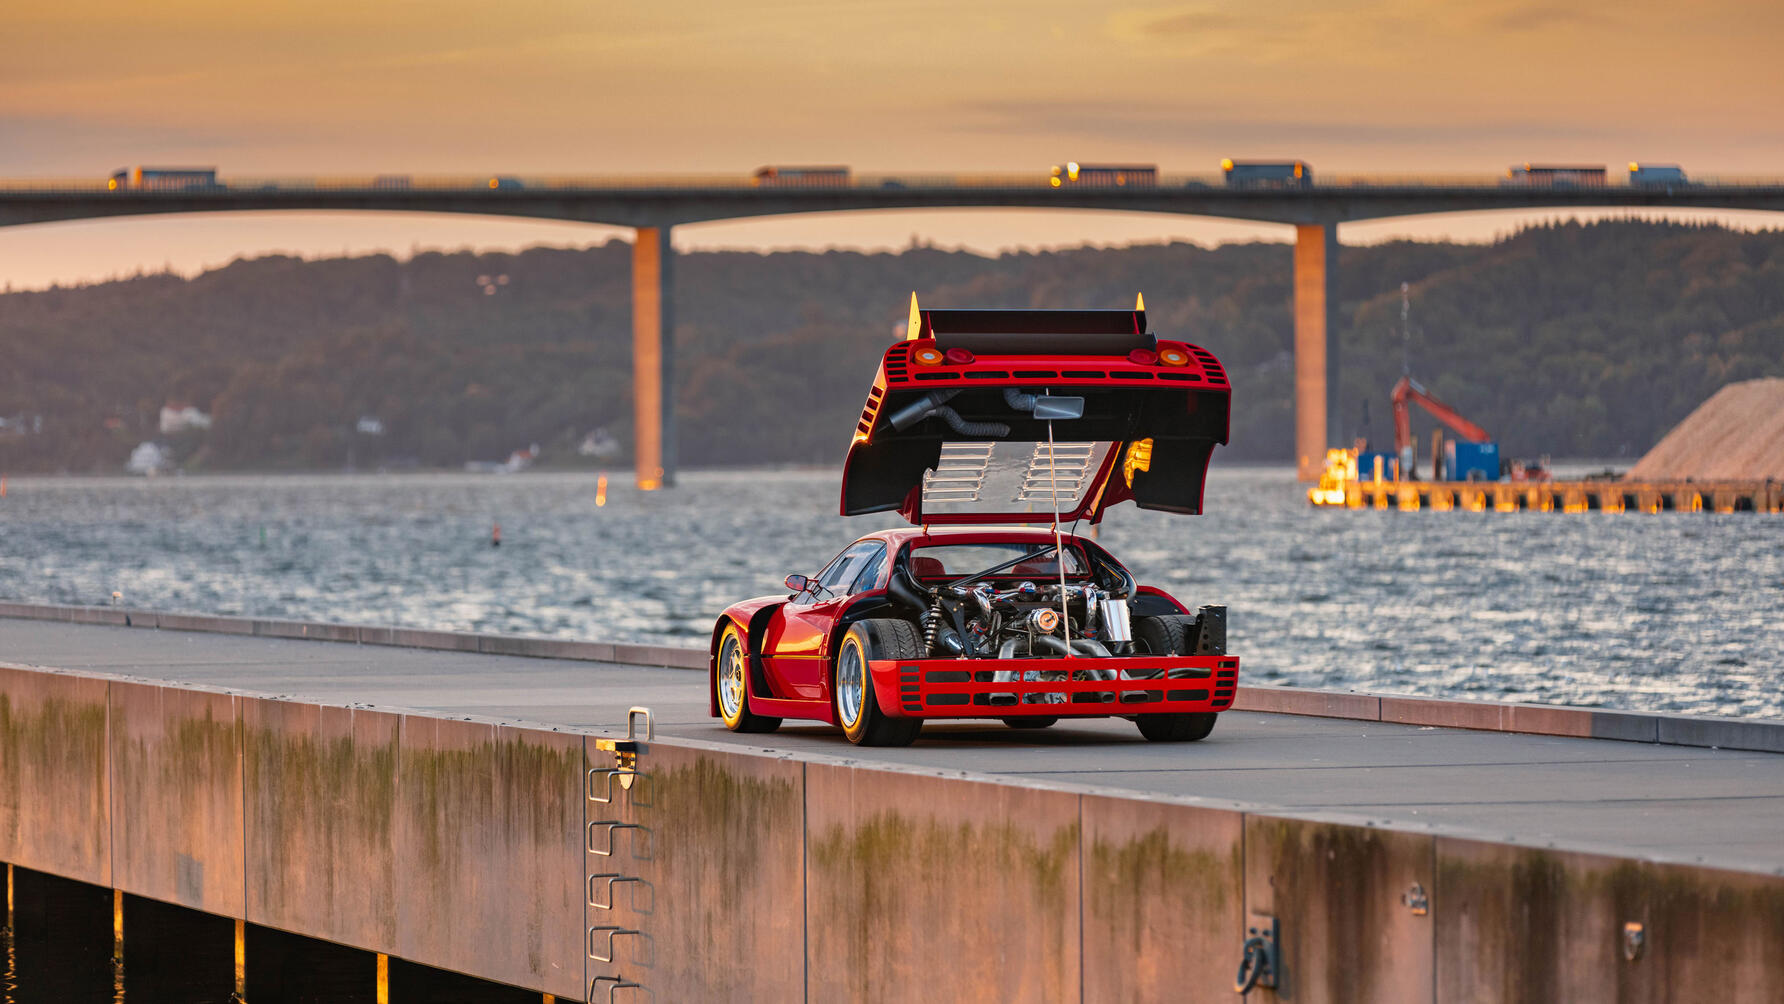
pixel 370 425
pixel 600 444
pixel 178 416
pixel 148 459
pixel 21 425
pixel 517 461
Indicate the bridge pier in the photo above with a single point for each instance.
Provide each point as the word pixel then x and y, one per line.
pixel 1317 421
pixel 653 359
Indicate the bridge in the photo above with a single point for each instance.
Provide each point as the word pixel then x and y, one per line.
pixel 457 801
pixel 654 205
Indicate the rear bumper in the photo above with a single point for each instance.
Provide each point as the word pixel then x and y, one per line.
pixel 1082 687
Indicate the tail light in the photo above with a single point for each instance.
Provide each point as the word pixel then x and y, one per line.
pixel 958 357
pixel 1142 357
pixel 1171 355
pixel 928 355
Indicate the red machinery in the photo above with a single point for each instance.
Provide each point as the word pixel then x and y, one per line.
pixel 1408 390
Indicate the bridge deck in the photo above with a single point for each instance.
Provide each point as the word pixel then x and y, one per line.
pixel 1716 807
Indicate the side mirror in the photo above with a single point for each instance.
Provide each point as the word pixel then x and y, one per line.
pixel 798 583
pixel 1050 408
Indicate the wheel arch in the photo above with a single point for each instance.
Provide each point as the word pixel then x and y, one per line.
pixel 1151 601
pixel 755 680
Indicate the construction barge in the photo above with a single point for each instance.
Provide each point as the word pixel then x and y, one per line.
pixel 1340 487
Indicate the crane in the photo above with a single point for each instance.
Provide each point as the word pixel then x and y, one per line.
pixel 1408 390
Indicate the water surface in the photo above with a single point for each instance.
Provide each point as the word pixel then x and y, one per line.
pixel 1674 612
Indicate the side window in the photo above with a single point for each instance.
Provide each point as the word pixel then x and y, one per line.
pixel 871 570
pixel 841 573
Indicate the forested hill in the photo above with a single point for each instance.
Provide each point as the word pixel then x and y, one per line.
pixel 1572 340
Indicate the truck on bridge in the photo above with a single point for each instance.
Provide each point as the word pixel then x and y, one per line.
pixel 1267 174
pixel 801 177
pixel 1104 175
pixel 165 179
pixel 1556 175
pixel 1656 175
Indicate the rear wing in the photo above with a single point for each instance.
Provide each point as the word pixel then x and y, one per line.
pixel 965 384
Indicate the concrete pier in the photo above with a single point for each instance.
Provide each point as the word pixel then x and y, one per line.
pixel 1564 496
pixel 653 358
pixel 439 806
pixel 1317 421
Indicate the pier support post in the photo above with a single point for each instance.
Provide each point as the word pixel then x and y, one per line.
pixel 653 369
pixel 1317 421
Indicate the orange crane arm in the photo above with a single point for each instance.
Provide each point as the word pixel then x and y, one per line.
pixel 1408 390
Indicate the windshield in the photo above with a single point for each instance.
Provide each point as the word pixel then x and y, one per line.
pixel 953 561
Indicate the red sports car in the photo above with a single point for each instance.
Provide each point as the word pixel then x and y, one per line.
pixel 996 418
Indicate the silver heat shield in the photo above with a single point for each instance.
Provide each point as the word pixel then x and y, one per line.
pixel 1112 611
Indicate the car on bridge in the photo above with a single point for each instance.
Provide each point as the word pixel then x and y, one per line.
pixel 968 613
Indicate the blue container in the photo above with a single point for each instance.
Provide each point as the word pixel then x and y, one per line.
pixel 1366 465
pixel 1470 461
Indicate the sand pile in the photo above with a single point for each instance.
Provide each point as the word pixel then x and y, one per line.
pixel 1737 435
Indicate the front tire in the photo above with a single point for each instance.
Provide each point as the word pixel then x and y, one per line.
pixel 730 681
pixel 1184 727
pixel 851 682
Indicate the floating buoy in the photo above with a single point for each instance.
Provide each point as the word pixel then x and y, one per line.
pixel 600 491
pixel 495 536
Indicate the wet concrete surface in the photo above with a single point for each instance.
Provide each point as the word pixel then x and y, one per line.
pixel 1715 807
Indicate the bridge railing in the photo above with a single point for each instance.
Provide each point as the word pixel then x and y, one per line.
pixel 392 184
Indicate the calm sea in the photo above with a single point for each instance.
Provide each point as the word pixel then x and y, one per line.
pixel 1675 612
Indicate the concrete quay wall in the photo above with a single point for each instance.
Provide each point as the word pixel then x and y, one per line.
pixel 724 873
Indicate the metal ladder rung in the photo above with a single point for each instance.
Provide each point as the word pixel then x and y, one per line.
pixel 617 983
pixel 612 878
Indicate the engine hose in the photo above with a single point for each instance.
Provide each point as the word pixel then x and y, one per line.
pixel 1018 400
pixel 919 409
pixel 966 428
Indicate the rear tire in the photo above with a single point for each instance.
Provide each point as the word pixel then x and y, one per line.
pixel 730 682
pixel 851 683
pixel 1176 728
pixel 1036 722
pixel 1167 634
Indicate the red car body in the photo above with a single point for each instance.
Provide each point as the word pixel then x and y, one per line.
pixel 791 649
pixel 942 440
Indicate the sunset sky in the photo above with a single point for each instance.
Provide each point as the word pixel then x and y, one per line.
pixel 598 87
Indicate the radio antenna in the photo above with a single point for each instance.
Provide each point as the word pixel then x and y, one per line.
pixel 1065 623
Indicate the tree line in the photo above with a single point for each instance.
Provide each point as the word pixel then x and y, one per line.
pixel 1567 339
